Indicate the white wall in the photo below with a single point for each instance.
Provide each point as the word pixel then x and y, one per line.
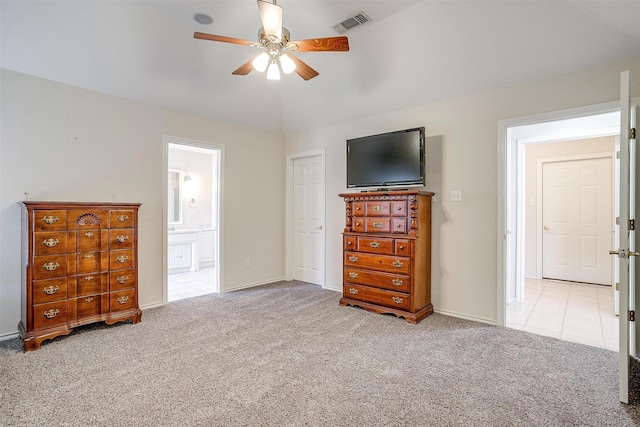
pixel 64 143
pixel 461 155
pixel 199 167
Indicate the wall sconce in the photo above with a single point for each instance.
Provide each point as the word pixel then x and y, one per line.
pixel 187 178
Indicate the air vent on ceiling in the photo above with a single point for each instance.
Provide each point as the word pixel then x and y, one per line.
pixel 351 23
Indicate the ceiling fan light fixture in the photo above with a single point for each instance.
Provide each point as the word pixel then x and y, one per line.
pixel 261 62
pixel 271 16
pixel 273 72
pixel 287 64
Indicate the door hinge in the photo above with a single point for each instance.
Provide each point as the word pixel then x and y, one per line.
pixel 632 133
pixel 632 224
pixel 617 286
pixel 632 316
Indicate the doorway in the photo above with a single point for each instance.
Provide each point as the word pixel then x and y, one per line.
pixel 306 217
pixel 524 292
pixel 192 213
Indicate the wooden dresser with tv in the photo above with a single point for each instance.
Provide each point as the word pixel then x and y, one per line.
pixel 81 267
pixel 387 253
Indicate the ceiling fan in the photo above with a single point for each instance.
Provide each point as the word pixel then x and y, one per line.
pixel 274 40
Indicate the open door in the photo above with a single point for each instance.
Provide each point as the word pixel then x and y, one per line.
pixel 627 254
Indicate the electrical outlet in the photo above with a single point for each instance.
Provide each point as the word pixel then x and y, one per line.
pixel 456 195
pixel 247 263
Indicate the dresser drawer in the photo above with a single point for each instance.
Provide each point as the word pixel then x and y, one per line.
pixel 88 240
pixel 375 245
pixel 402 247
pixel 123 279
pixel 49 290
pixel 49 266
pixel 49 220
pixel 392 299
pixel 121 219
pixel 378 208
pixel 91 305
pixel 394 282
pixel 83 219
pixel 377 225
pixel 89 284
pixel 121 260
pixel 50 314
pixel 50 242
pixel 122 300
pixel 378 262
pixel 90 262
pixel 121 238
pixel 350 243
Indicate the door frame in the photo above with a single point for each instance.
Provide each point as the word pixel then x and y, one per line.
pixel 218 245
pixel 539 221
pixel 290 203
pixel 510 239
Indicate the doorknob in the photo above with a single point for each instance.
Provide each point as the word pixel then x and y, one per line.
pixel 545 228
pixel 319 227
pixel 623 253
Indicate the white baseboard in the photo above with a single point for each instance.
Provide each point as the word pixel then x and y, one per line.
pixel 252 285
pixel 329 288
pixel 152 305
pixel 464 316
pixel 9 336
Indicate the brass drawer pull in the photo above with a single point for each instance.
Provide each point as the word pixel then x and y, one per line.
pixel 122 218
pixel 353 258
pixel 374 245
pixel 50 290
pixel 377 225
pixel 397 264
pixel 89 234
pixel 377 208
pixel 401 247
pixel 397 282
pixel 123 299
pixel 353 275
pixel 122 259
pixel 89 256
pixel 51 313
pixel 50 266
pixel 122 238
pixel 89 299
pixel 397 300
pixel 353 291
pixel 50 242
pixel 88 278
pixel 50 219
pixel 122 279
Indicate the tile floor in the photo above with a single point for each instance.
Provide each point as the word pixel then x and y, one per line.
pixel 570 311
pixel 191 284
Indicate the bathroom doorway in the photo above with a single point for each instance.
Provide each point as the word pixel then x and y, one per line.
pixel 192 219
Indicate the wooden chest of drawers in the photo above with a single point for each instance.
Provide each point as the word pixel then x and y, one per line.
pixel 387 253
pixel 81 267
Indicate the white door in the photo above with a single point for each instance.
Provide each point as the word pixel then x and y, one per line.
pixel 308 220
pixel 629 242
pixel 577 220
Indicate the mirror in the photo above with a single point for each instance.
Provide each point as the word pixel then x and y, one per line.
pixel 174 205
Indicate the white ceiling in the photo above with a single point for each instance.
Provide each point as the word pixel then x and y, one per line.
pixel 413 52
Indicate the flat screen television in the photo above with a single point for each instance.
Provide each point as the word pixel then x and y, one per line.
pixel 387 161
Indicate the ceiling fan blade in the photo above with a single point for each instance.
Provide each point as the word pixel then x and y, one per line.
pixel 244 69
pixel 216 38
pixel 271 16
pixel 327 44
pixel 303 70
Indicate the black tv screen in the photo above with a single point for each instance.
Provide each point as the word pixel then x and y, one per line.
pixel 394 159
